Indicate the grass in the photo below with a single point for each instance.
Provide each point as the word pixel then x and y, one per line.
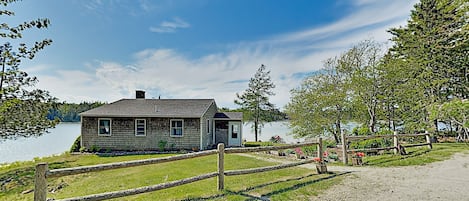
pixel 286 184
pixel 418 155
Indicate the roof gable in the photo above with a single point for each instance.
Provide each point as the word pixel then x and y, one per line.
pixel 179 108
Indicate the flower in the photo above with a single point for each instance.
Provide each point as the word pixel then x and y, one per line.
pixel 360 154
pixel 317 159
pixel 298 151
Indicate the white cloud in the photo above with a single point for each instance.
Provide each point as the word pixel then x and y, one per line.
pixel 170 74
pixel 170 26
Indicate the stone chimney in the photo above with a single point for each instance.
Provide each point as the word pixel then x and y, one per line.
pixel 140 94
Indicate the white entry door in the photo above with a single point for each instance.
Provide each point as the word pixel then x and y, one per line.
pixel 234 134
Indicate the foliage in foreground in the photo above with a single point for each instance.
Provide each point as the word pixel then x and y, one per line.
pixel 23 108
pixel 287 184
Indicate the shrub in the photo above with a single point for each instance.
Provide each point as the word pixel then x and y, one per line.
pixel 310 150
pixel 94 148
pixel 162 145
pixel 76 146
pixel 329 143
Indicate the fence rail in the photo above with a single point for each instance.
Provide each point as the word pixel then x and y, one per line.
pixel 42 171
pixel 396 145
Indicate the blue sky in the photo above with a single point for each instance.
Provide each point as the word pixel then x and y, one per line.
pixel 105 50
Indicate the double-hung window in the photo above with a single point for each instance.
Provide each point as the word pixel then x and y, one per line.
pixel 140 127
pixel 177 128
pixel 104 127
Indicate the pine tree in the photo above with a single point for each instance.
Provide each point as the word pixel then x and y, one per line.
pixel 434 48
pixel 255 99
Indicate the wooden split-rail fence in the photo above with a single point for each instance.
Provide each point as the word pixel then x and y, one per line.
pixel 395 147
pixel 43 173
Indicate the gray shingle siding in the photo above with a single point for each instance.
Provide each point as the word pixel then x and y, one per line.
pixel 123 134
pixel 158 114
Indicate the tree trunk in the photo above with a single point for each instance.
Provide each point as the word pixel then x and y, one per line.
pixel 255 130
pixel 2 77
pixel 337 132
pixel 336 138
pixel 372 123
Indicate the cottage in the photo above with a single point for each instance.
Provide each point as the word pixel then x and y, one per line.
pixel 143 124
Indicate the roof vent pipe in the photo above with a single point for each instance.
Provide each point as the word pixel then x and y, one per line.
pixel 139 94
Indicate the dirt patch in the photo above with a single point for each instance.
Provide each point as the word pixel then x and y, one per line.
pixel 445 180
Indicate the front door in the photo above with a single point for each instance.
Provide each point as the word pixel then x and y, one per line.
pixel 234 134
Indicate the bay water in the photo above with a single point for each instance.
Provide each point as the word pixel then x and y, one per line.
pixel 61 138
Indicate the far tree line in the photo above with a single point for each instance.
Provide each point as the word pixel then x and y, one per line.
pixel 70 112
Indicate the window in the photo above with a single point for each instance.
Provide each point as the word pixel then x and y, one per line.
pixel 104 126
pixel 234 131
pixel 177 128
pixel 140 127
pixel 208 126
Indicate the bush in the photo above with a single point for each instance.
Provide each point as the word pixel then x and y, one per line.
pixel 76 146
pixel 310 150
pixel 162 145
pixel 361 130
pixel 329 143
pixel 371 143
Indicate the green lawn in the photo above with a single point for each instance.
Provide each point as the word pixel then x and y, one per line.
pixel 286 184
pixel 418 155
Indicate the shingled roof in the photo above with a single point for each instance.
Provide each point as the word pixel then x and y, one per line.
pixel 175 108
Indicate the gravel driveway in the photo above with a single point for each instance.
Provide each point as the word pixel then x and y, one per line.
pixel 445 180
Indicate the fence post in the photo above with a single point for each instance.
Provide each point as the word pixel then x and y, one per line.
pixel 321 159
pixel 321 166
pixel 396 142
pixel 344 147
pixel 40 182
pixel 427 137
pixel 221 166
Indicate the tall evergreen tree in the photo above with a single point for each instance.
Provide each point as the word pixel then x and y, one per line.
pixel 23 110
pixel 434 47
pixel 255 99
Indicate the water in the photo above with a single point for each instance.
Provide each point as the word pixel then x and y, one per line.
pixel 59 140
pixel 279 128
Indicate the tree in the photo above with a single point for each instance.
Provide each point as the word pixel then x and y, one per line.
pixel 434 46
pixel 360 65
pixel 455 111
pixel 321 104
pixel 255 99
pixel 23 109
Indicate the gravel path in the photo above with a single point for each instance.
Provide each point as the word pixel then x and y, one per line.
pixel 445 180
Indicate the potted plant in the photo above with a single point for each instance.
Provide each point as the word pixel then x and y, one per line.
pixel 320 165
pixel 357 158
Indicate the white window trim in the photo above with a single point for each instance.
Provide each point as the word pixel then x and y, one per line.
pixel 171 128
pixel 208 126
pixel 144 127
pixel 110 126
